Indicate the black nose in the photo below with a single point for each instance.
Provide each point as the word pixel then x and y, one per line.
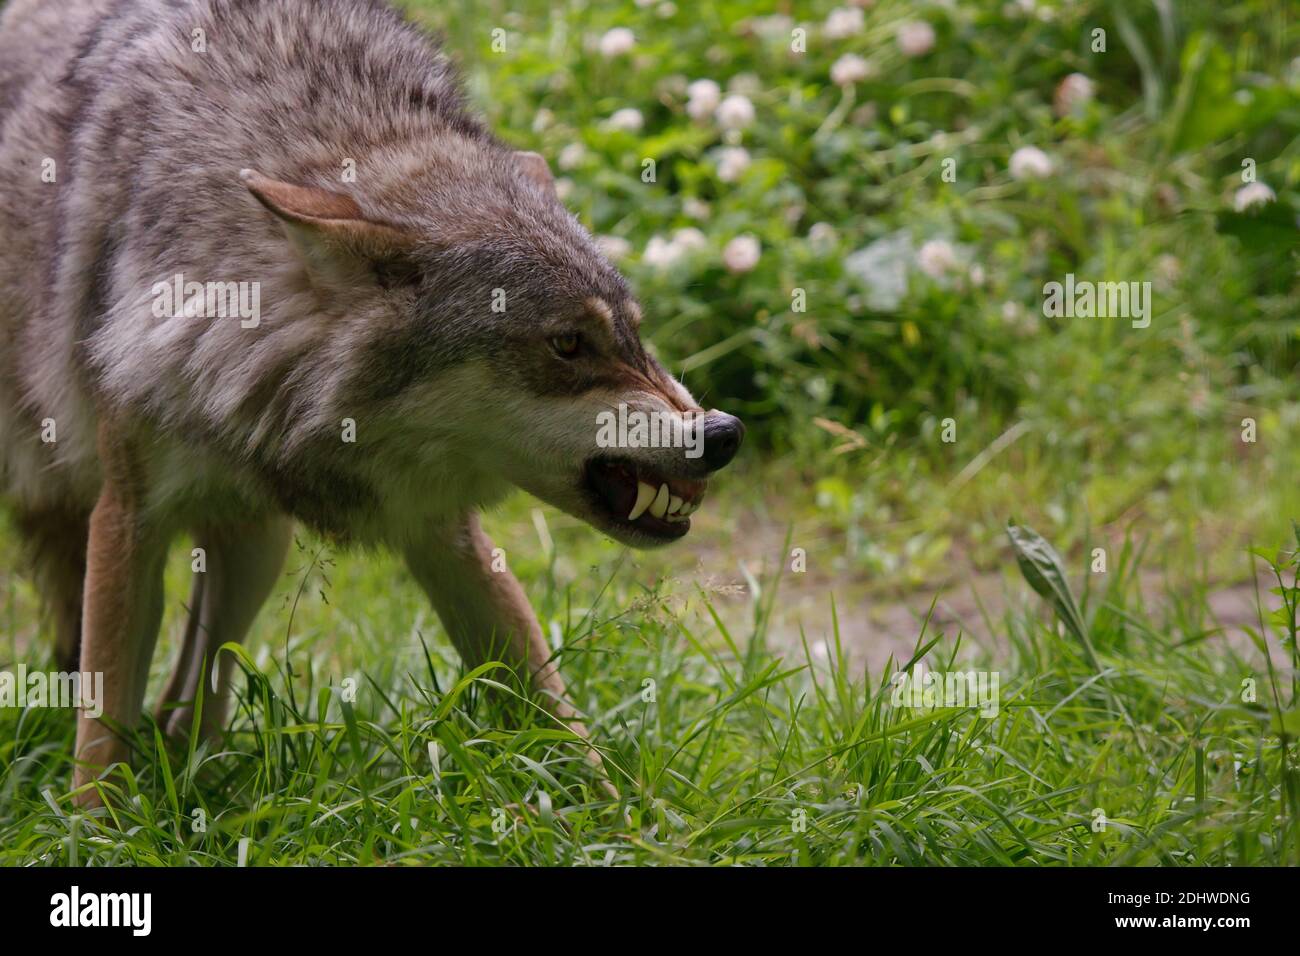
pixel 723 434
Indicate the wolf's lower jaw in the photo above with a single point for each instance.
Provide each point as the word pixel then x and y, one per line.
pixel 636 498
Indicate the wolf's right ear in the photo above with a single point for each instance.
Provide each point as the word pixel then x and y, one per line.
pixel 330 230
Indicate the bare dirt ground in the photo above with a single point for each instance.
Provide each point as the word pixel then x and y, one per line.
pixel 873 630
pixel 875 625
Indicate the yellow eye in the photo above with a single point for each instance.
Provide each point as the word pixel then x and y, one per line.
pixel 566 345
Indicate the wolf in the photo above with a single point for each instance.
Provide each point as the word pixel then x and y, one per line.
pixel 433 330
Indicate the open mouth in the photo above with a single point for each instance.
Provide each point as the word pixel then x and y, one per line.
pixel 638 497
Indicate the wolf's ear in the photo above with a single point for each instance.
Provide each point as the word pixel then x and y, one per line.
pixel 535 168
pixel 329 230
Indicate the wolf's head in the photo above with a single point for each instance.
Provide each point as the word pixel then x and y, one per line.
pixel 500 343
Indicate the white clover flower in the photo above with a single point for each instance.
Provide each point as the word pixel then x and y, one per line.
pixel 617 42
pixel 822 235
pixel 664 253
pixel 770 28
pixel 542 120
pixel 976 275
pixel 735 112
pixel 936 258
pixel 614 248
pixel 571 156
pixel 696 208
pixel 1252 194
pixel 628 119
pixel 850 69
pixel 741 254
pixel 915 38
pixel 689 239
pixel 1074 91
pixel 843 22
pixel 704 97
pixel 746 84
pixel 660 253
pixel 1030 162
pixel 732 163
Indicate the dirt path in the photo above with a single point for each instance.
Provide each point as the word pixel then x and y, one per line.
pixel 874 626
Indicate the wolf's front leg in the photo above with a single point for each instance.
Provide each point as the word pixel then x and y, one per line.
pixel 486 612
pixel 122 609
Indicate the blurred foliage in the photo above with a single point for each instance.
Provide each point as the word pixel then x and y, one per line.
pixel 844 186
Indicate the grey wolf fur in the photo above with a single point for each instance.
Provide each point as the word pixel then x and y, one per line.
pixel 442 301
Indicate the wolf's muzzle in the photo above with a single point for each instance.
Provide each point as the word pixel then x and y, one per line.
pixel 723 434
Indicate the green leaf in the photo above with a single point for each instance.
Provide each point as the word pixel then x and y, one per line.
pixel 1268 237
pixel 1287 723
pixel 1045 572
pixel 1211 105
pixel 1262 231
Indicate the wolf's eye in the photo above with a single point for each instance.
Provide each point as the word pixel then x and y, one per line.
pixel 566 346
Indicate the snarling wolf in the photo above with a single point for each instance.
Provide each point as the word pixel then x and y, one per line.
pixel 432 328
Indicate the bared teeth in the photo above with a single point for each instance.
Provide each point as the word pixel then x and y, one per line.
pixel 659 507
pixel 644 495
pixel 661 501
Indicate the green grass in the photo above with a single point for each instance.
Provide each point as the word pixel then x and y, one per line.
pixel 746 754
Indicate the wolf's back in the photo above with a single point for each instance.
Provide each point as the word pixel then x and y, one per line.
pixel 143 112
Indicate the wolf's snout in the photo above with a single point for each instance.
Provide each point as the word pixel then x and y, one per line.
pixel 723 434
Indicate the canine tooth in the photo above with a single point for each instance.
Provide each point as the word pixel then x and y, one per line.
pixel 659 507
pixel 644 495
pixel 674 504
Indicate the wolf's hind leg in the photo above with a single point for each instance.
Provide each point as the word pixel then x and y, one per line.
pixel 243 562
pixel 55 541
pixel 191 640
